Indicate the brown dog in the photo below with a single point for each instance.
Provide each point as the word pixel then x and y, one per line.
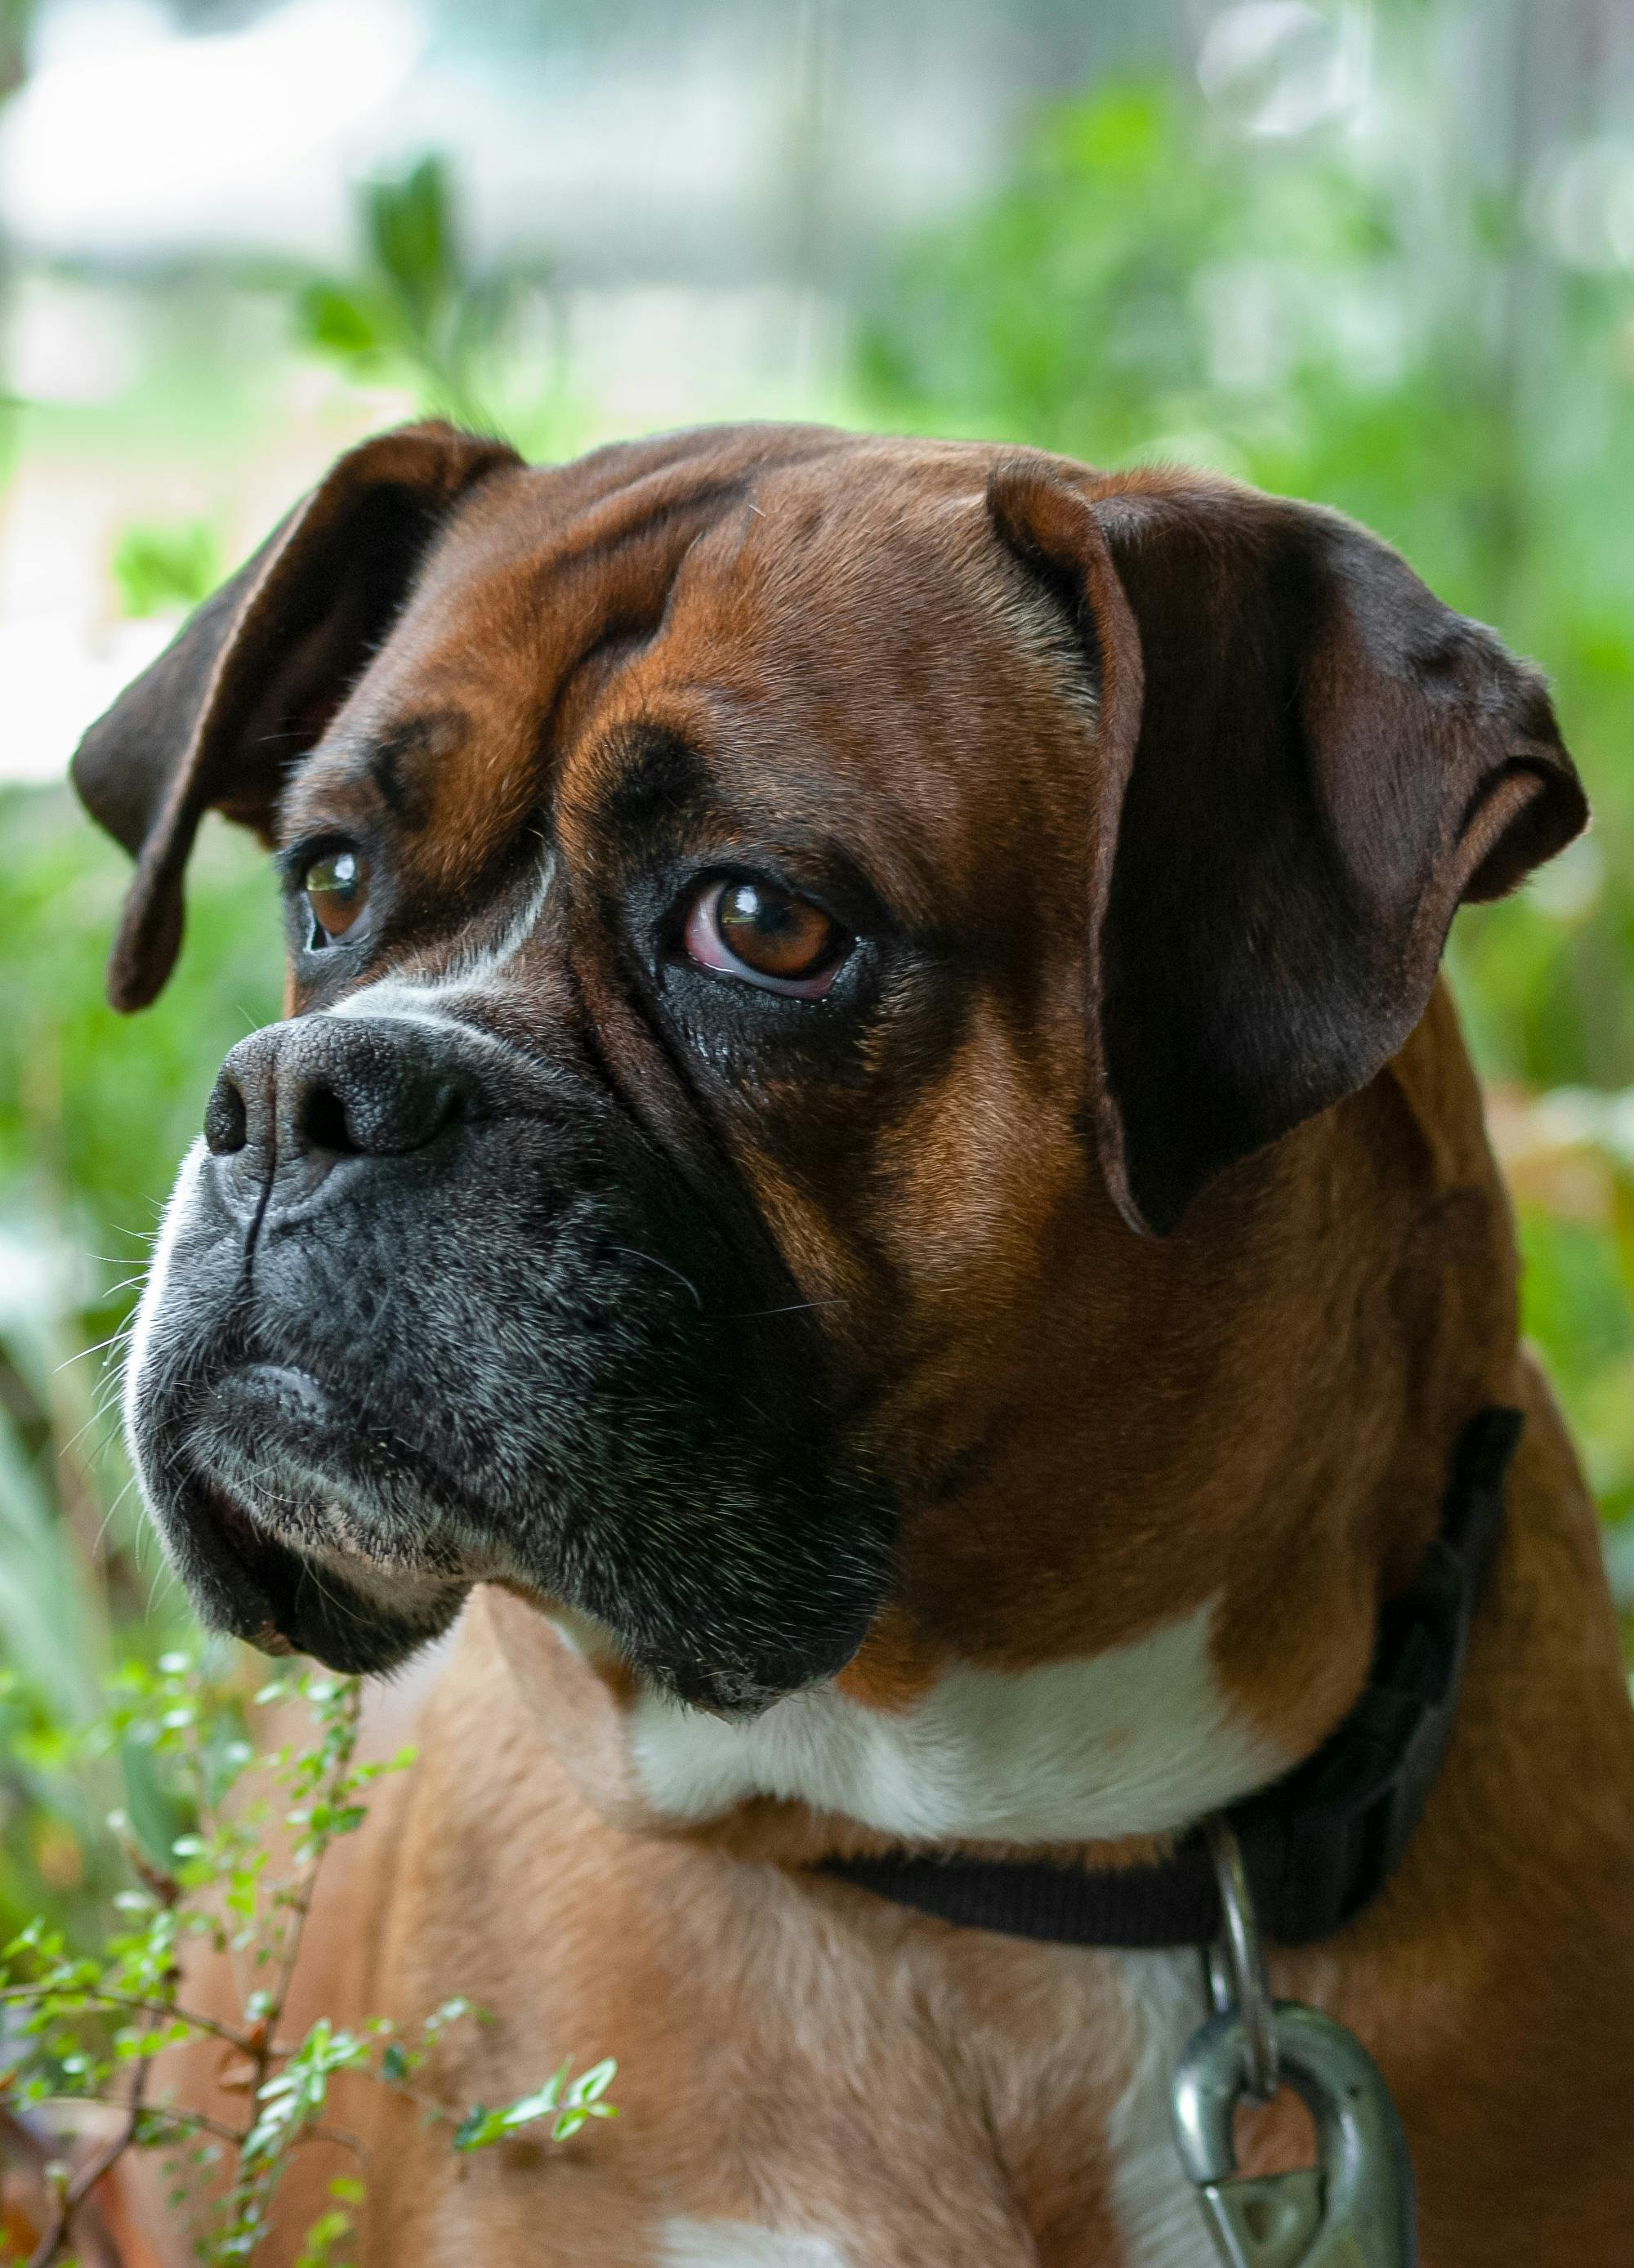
pixel 868 1143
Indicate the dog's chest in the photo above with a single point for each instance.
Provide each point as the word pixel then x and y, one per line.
pixel 1003 2141
pixel 808 2078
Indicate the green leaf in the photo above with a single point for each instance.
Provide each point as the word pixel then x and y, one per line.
pixel 475 2128
pixel 592 2085
pixel 481 2128
pixel 335 321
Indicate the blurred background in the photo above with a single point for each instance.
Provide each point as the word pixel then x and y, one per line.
pixel 1379 254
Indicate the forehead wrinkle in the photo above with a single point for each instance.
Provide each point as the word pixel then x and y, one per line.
pixel 787 565
pixel 743 452
pixel 443 730
pixel 396 757
pixel 869 652
pixel 665 505
pixel 511 544
pixel 864 671
pixel 737 784
pixel 542 594
pixel 797 716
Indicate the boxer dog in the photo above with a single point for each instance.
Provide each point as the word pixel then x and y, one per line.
pixel 868 1177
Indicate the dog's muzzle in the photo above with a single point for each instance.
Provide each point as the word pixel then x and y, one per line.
pixel 429 1309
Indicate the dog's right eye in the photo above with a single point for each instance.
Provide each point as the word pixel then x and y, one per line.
pixel 766 936
pixel 336 889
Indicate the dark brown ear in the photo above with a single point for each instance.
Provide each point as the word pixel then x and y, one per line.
pixel 252 678
pixel 1322 763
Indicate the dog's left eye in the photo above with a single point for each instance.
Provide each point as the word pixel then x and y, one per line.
pixel 767 936
pixel 336 889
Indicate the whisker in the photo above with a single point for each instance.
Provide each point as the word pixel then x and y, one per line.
pixel 795 1308
pixel 631 1253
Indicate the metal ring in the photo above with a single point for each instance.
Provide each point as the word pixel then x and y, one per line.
pixel 1236 1965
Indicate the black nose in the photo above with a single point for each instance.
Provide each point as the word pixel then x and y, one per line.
pixel 294 1100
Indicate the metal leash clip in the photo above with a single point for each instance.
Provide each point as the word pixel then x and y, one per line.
pixel 1353 2208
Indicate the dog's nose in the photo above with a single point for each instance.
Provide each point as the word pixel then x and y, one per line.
pixel 294 1100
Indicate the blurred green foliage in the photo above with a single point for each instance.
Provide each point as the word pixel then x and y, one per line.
pixel 158 569
pixel 416 311
pixel 95 1111
pixel 233 1867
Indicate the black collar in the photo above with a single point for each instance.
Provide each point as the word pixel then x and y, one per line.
pixel 1324 1840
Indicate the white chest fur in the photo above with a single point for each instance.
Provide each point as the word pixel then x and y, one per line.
pixel 735 2244
pixel 1135 1739
pixel 1156 2207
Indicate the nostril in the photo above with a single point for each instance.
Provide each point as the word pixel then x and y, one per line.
pixel 226 1120
pixel 374 1122
pixel 323 1124
pixel 357 1090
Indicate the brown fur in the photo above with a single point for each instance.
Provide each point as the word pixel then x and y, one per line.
pixel 1092 1432
pixel 924 2093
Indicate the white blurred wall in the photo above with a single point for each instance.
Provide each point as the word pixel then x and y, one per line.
pixel 702 178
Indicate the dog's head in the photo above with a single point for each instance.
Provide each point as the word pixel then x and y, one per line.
pixel 746 892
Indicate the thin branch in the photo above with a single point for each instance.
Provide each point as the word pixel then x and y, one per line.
pixel 19 2141
pixel 93 1995
pixel 427 2102
pixel 166 2116
pixel 101 2162
pixel 342 2137
pixel 298 1902
pixel 299 1899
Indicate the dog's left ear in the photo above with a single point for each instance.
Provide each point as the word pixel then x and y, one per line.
pixel 251 678
pixel 1306 763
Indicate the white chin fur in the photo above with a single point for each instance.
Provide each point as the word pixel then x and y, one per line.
pixel 1136 1739
pixel 158 1270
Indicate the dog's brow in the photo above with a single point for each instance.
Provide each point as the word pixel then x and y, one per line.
pixel 389 760
pixel 639 516
pixel 384 770
pixel 661 774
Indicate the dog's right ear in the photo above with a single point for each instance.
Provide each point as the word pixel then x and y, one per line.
pixel 1305 765
pixel 250 683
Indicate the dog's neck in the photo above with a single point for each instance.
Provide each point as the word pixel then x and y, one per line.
pixel 1143 1573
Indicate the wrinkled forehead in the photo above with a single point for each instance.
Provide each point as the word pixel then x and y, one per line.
pixel 787 641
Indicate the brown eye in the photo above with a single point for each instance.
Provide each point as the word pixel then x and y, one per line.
pixel 337 890
pixel 767 936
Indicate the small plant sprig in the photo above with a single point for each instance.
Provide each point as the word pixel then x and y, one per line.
pixel 239 1882
pixel 416 309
